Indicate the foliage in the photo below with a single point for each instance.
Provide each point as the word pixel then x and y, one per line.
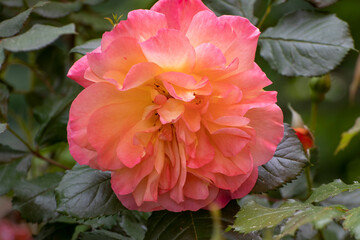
pixel 41 39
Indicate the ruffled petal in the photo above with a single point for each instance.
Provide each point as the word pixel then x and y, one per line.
pixel 268 133
pixel 206 28
pixel 179 13
pixel 171 50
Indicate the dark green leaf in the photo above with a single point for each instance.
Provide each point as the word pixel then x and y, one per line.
pixel 7 154
pixel 53 116
pixel 35 199
pixel 133 225
pixel 86 193
pixel 322 3
pixel 12 26
pixel 56 231
pixel 244 8
pixel 254 217
pixel 86 47
pixel 57 9
pixel 13 172
pixel 288 161
pixel 92 2
pixel 163 225
pixel 12 3
pixel 37 37
pixel 331 189
pixel 277 2
pixel 2 56
pixel 317 216
pixel 306 43
pixel 352 220
pixel 4 96
pixel 102 234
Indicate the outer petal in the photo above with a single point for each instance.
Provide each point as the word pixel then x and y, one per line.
pixel 179 13
pixel 244 46
pixel 206 28
pixel 141 24
pixel 246 187
pixel 77 71
pixel 171 50
pixel 116 60
pixel 269 132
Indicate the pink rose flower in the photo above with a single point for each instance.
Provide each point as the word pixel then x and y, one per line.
pixel 174 107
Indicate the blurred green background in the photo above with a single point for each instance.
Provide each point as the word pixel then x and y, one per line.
pixel 336 113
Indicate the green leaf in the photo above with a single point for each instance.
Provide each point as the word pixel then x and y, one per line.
pixel 56 231
pixel 4 96
pixel 317 216
pixel 12 26
pixel 322 3
pixel 3 127
pixel 86 47
pixel 188 225
pixel 102 234
pixel 92 2
pixel 244 8
pixel 331 189
pixel 2 56
pixel 37 37
pixel 35 199
pixel 254 217
pixel 133 224
pixel 352 220
pixel 86 193
pixel 12 3
pixel 288 161
pixel 348 135
pixel 13 172
pixel 306 43
pixel 54 116
pixel 7 154
pixel 58 9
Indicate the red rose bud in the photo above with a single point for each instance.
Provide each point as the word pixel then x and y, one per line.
pixel 306 138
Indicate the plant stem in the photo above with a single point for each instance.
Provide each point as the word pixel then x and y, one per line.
pixel 36 153
pixel 267 12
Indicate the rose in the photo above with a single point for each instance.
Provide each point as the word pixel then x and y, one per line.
pixel 174 107
pixel 13 231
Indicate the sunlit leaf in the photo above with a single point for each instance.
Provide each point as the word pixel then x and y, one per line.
pixel 244 8
pixel 86 193
pixel 288 161
pixel 317 216
pixel 306 43
pixel 12 26
pixel 253 216
pixel 37 37
pixel 86 47
pixel 352 220
pixel 35 199
pixel 348 135
pixel 331 189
